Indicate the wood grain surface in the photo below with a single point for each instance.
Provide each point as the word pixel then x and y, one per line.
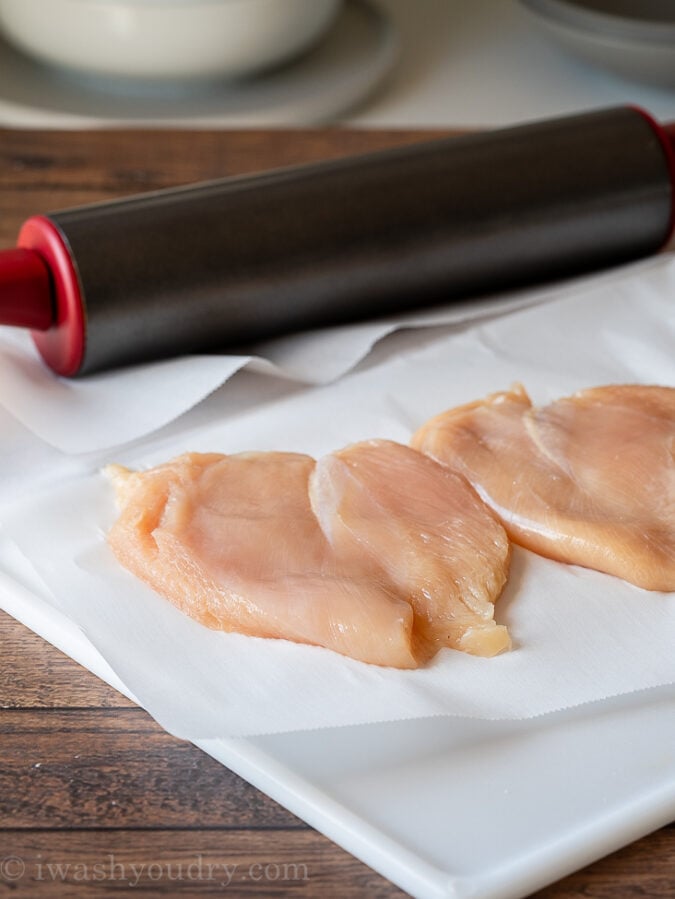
pixel 94 797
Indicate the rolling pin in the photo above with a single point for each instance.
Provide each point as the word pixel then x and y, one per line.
pixel 217 266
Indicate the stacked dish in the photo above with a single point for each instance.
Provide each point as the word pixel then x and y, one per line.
pixel 635 40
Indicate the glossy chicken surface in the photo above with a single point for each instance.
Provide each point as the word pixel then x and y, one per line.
pixel 233 541
pixel 427 531
pixel 589 479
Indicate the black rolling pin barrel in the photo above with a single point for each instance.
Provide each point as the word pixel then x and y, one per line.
pixel 220 265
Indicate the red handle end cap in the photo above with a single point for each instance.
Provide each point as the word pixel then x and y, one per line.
pixel 61 345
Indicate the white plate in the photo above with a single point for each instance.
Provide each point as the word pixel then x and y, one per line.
pixel 338 73
pixel 452 807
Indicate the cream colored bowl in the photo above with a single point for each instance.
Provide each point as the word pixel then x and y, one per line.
pixel 166 39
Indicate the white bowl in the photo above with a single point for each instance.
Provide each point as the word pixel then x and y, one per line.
pixel 166 39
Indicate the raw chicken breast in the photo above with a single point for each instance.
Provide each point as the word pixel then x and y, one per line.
pixel 232 541
pixel 408 560
pixel 434 540
pixel 589 479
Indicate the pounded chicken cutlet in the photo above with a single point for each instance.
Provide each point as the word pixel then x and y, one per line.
pixel 234 542
pixel 589 479
pixel 429 533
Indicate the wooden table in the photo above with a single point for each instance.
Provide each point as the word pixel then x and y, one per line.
pixel 94 796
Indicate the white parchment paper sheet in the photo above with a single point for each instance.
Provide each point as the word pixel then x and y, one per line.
pixel 579 635
pixel 115 407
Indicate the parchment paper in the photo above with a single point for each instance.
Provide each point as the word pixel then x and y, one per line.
pixel 116 407
pixel 578 635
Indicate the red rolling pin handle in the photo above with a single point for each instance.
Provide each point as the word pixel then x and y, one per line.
pixel 25 291
pixel 220 265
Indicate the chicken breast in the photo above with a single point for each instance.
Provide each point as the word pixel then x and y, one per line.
pixel 393 558
pixel 589 479
pixel 427 531
pixel 232 541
